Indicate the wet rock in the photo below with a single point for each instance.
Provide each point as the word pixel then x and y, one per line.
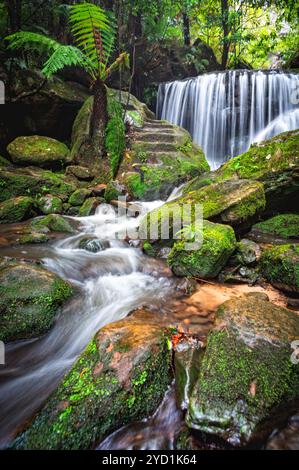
pixel 29 300
pixel 248 252
pixel 280 266
pixel 79 196
pixel 243 275
pixel 52 222
pixel 286 438
pixel 206 260
pixel 38 151
pixel 50 204
pixel 99 189
pixel 80 172
pixel 91 244
pixel 246 371
pixel 34 181
pixel 283 226
pixel 16 210
pixel 121 376
pixel 114 189
pixel 89 207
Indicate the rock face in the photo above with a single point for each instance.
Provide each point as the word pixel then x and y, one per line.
pixel 206 261
pixel 16 209
pixel 29 300
pixel 281 226
pixel 38 151
pixel 246 371
pixel 34 181
pixel 121 376
pixel 280 266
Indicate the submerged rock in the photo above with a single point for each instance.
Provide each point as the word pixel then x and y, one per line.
pixel 121 376
pixel 206 261
pixel 38 151
pixel 280 266
pixel 29 300
pixel 246 371
pixel 16 210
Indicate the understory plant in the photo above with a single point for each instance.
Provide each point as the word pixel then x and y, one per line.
pixel 94 34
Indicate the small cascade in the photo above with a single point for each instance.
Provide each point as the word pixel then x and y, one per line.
pixel 226 112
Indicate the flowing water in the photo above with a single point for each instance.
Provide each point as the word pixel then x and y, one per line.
pixel 110 284
pixel 226 112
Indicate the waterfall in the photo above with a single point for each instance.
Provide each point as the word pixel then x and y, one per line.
pixel 226 112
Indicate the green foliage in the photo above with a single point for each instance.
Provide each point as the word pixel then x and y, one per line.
pixel 115 140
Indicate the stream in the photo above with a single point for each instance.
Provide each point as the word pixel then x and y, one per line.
pixel 110 284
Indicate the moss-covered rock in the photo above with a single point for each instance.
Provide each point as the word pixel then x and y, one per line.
pixel 89 207
pixel 52 222
pixel 280 266
pixel 33 238
pixel 281 226
pixel 34 182
pixel 246 371
pixel 50 204
pixel 79 196
pixel 235 202
pixel 38 151
pixel 216 243
pixel 121 376
pixel 29 300
pixel 187 360
pixel 80 172
pixel 16 210
pixel 248 252
pixel 4 163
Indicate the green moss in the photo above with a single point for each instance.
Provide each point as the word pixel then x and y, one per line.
pixel 79 196
pixel 136 117
pixel 89 207
pixel 33 238
pixel 4 163
pixel 280 265
pixel 115 139
pixel 92 402
pixel 52 222
pixel 29 300
pixel 206 260
pixel 50 204
pixel 37 150
pixel 16 210
pixel 284 226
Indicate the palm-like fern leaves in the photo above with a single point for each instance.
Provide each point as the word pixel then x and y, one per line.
pixel 65 56
pixel 94 33
pixel 32 42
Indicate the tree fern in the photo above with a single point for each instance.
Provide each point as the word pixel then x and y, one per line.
pixel 32 42
pixel 94 33
pixel 65 56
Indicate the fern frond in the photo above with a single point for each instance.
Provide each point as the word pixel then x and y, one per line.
pixel 121 63
pixel 94 33
pixel 65 56
pixel 32 42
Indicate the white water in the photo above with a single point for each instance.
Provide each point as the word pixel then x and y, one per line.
pixel 110 283
pixel 226 112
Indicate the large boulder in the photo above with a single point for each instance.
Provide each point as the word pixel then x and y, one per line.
pixel 52 223
pixel 34 182
pixel 16 209
pixel 29 300
pixel 121 376
pixel 247 372
pixel 38 151
pixel 280 266
pixel 49 204
pixel 205 261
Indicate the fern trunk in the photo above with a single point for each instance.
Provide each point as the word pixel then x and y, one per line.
pixel 99 117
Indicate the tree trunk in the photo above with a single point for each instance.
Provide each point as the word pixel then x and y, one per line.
pixel 186 29
pixel 99 117
pixel 225 27
pixel 14 8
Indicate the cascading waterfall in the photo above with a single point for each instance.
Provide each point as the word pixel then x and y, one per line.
pixel 226 112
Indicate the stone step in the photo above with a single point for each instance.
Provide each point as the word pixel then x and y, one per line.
pixel 151 137
pixel 156 146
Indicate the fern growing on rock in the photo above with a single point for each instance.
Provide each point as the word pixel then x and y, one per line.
pixel 94 34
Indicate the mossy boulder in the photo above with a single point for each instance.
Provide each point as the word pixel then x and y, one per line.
pixel 235 202
pixel 16 210
pixel 29 300
pixel 121 376
pixel 52 222
pixel 89 207
pixel 280 266
pixel 38 151
pixel 79 196
pixel 4 162
pixel 285 226
pixel 50 204
pixel 34 182
pixel 80 172
pixel 187 360
pixel 246 373
pixel 216 243
pixel 248 252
